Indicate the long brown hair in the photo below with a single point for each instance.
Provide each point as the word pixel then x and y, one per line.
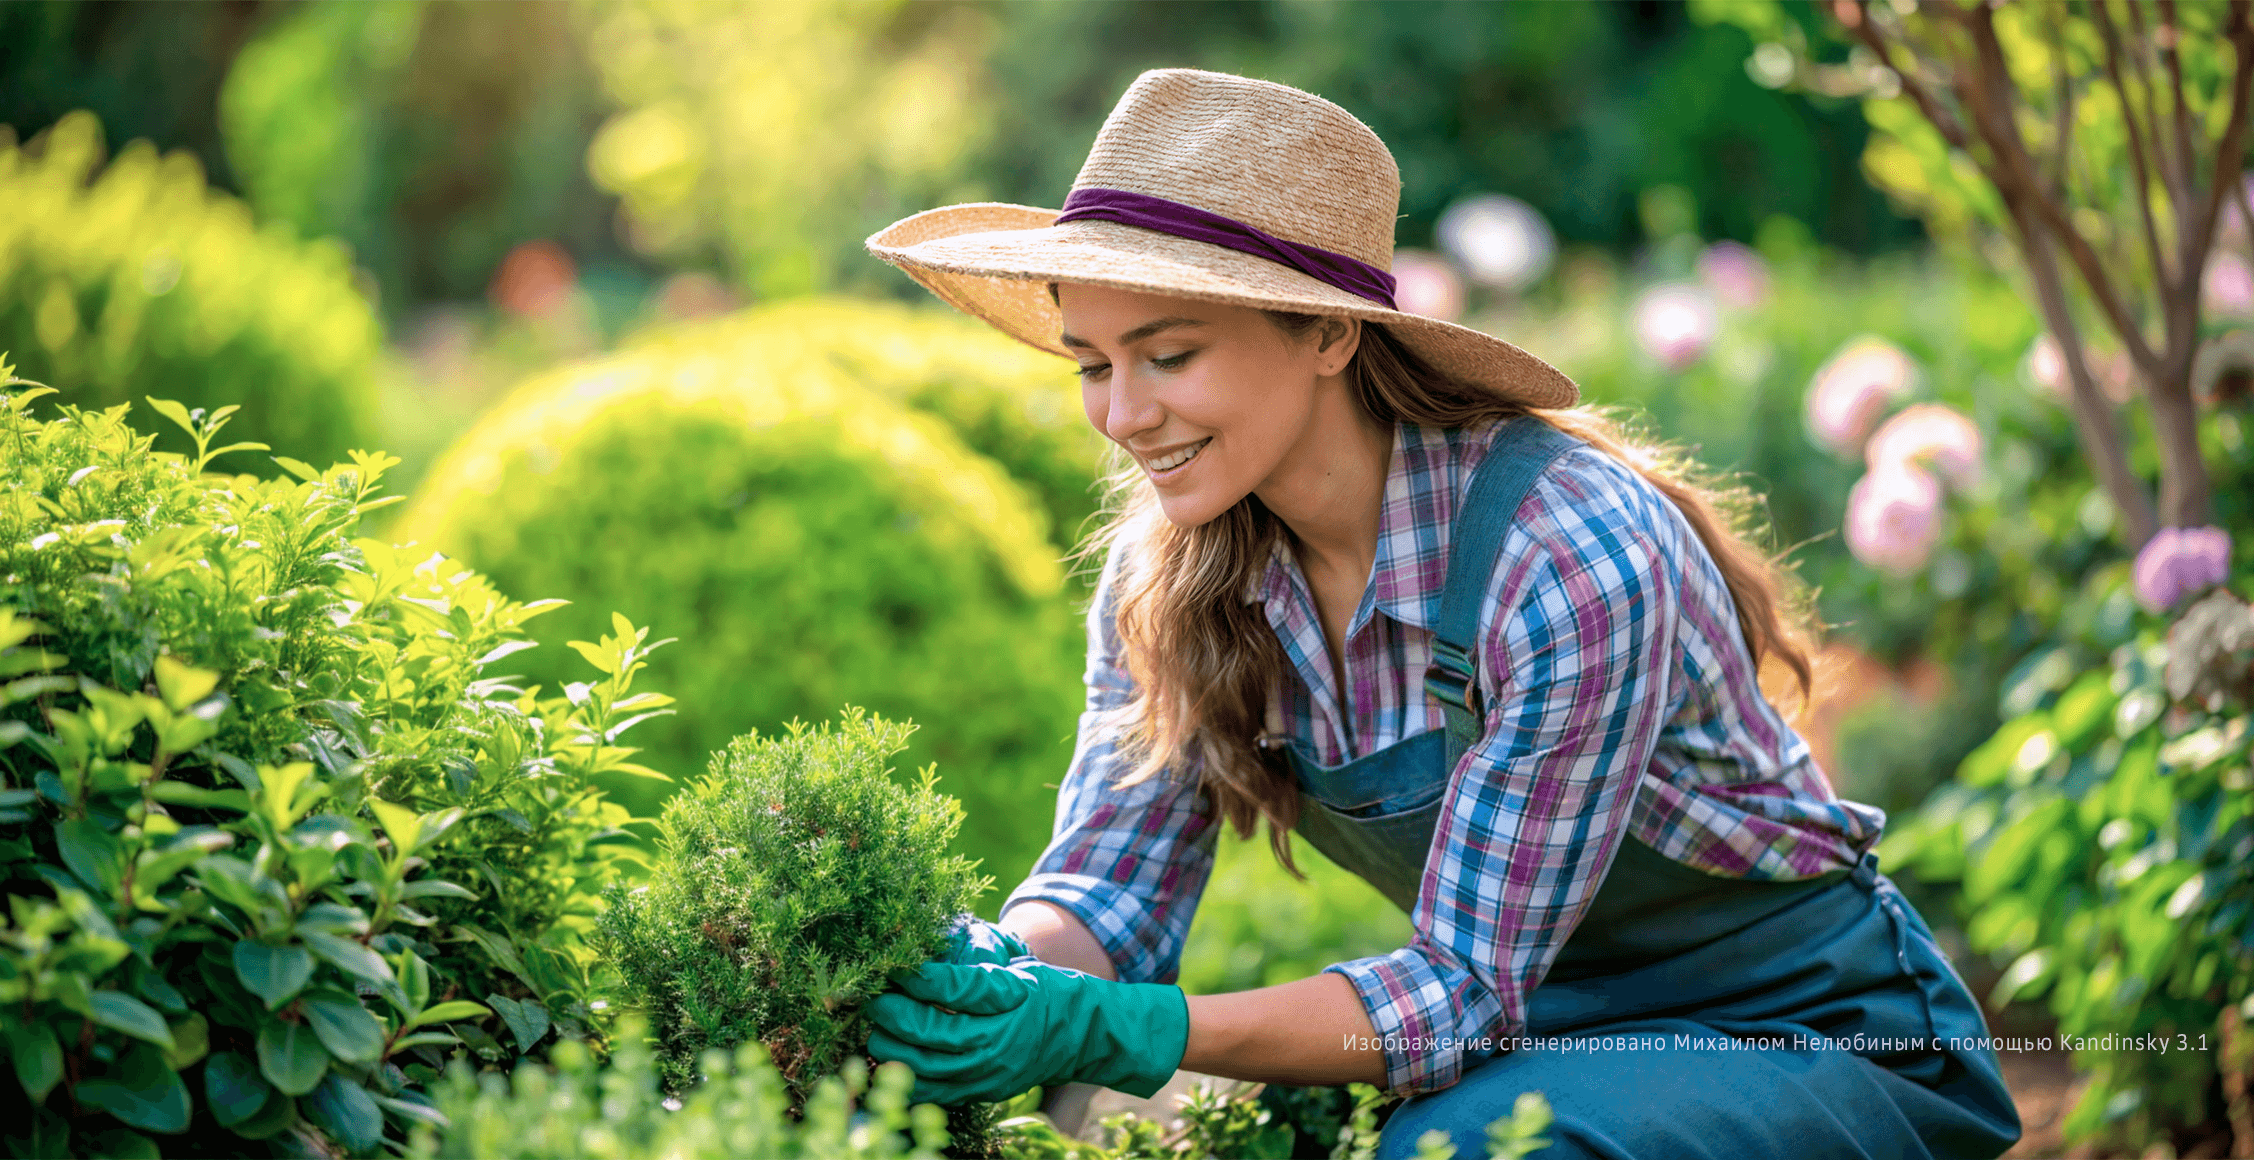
pixel 1204 661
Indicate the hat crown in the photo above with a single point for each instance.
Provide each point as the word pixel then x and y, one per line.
pixel 1280 160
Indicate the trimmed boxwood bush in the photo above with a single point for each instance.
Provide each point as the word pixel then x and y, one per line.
pixel 789 882
pixel 141 279
pixel 823 545
pixel 274 841
pixel 1007 401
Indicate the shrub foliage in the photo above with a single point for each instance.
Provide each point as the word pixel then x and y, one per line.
pixel 267 829
pixel 822 544
pixel 140 278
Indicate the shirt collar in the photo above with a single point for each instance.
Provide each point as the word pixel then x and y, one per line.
pixel 1421 482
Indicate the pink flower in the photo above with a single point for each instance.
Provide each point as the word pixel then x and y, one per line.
pixel 2228 285
pixel 1674 323
pixel 1894 518
pixel 2179 562
pixel 1929 435
pixel 2046 364
pixel 1852 390
pixel 1501 240
pixel 1736 274
pixel 1424 283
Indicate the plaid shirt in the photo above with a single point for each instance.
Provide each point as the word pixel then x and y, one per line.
pixel 1620 699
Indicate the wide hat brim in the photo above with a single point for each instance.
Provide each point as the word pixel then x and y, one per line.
pixel 994 261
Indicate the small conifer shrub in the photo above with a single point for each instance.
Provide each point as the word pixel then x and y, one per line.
pixel 790 880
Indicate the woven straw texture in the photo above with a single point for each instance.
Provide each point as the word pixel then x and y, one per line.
pixel 1283 161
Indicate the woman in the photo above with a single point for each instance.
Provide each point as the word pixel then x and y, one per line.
pixel 1373 582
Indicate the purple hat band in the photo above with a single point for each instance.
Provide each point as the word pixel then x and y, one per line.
pixel 1188 221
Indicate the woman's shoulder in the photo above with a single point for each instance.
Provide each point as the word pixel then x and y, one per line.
pixel 1583 508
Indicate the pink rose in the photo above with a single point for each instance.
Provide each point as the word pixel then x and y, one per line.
pixel 1851 391
pixel 1736 274
pixel 1929 435
pixel 1674 323
pixel 1424 283
pixel 1894 518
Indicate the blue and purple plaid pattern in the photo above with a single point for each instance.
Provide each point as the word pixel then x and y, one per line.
pixel 1620 699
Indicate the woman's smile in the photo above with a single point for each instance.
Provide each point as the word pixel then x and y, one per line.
pixel 1171 466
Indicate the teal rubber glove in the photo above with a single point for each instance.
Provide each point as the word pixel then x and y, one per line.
pixel 985 1032
pixel 975 940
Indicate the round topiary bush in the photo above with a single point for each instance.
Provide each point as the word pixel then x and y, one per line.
pixel 1015 405
pixel 821 544
pixel 142 280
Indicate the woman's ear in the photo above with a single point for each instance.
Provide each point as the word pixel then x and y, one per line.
pixel 1336 340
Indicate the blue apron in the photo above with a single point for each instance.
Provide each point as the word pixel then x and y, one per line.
pixel 1687 1015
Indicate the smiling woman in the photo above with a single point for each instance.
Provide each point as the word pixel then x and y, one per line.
pixel 1374 578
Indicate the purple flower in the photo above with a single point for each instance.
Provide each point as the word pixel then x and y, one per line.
pixel 1426 284
pixel 1929 434
pixel 1894 517
pixel 1675 323
pixel 2179 562
pixel 1736 274
pixel 1852 390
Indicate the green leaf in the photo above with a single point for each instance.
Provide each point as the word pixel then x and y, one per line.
pixel 140 1090
pixel 179 793
pixel 422 1037
pixel 233 1088
pixel 119 1011
pixel 299 468
pixel 191 1038
pixel 273 973
pixel 181 685
pixel 93 854
pixel 343 1025
pixel 527 1020
pixel 291 1057
pixel 458 1009
pixel 343 1110
pixel 173 411
pixel 596 655
pixel 434 888
pixel 348 956
pixel 402 825
pixel 276 1117
pixel 38 1057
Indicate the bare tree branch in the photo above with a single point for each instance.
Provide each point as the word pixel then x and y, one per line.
pixel 1915 83
pixel 2180 111
pixel 2062 93
pixel 2230 157
pixel 2162 272
pixel 1990 95
pixel 2174 167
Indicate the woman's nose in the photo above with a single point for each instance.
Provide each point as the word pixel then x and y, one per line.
pixel 1131 409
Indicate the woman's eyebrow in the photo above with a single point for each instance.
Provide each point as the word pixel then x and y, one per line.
pixel 1136 335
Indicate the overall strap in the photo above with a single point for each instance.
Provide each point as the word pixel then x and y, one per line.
pixel 1520 450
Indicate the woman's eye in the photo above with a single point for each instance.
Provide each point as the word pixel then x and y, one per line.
pixel 1096 371
pixel 1172 362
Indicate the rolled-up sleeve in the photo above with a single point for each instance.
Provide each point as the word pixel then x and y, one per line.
pixel 1579 676
pixel 1128 861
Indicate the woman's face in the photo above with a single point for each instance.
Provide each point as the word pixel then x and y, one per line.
pixel 1210 400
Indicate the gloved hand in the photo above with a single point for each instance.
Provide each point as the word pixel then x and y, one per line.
pixel 975 940
pixel 1009 1027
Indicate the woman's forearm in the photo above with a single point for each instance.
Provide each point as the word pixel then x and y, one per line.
pixel 1311 1032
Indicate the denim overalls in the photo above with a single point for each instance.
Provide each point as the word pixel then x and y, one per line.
pixel 1760 980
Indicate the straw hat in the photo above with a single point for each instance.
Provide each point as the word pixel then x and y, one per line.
pixel 1219 188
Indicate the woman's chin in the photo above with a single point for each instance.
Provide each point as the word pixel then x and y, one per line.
pixel 1190 509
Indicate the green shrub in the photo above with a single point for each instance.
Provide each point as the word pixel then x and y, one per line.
pixel 262 811
pixel 2104 837
pixel 821 545
pixel 621 1112
pixel 1238 1123
pixel 142 279
pixel 789 881
pixel 1007 401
